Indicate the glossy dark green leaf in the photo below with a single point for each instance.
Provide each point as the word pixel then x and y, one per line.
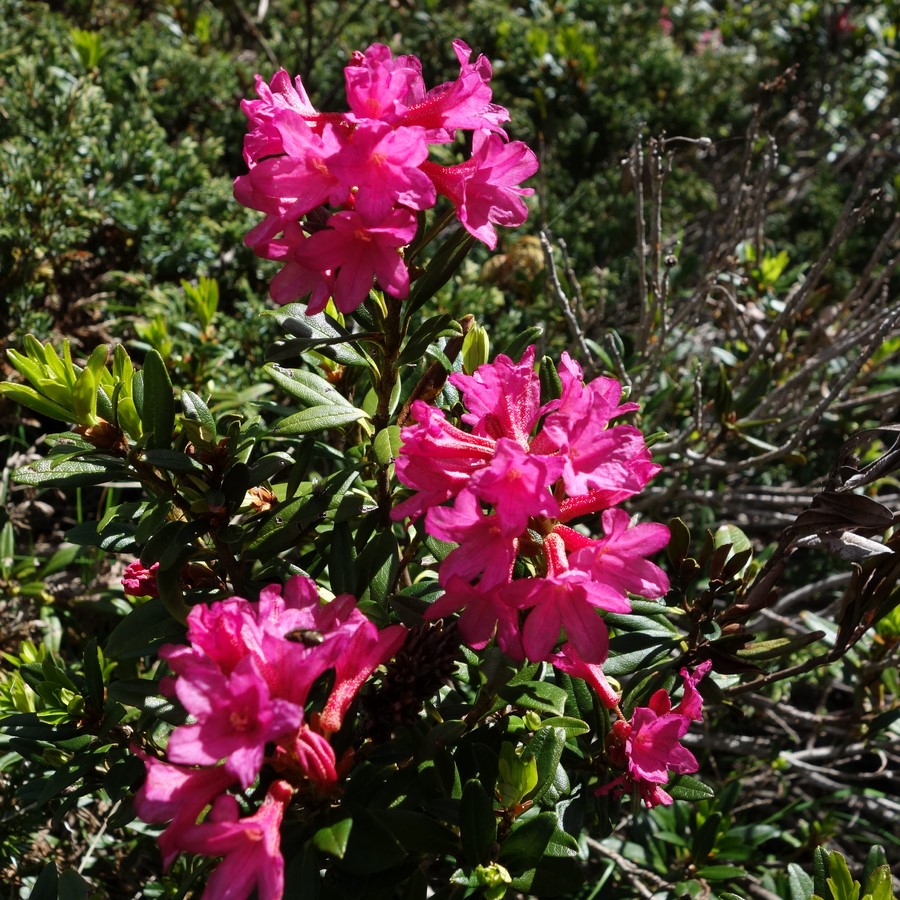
pixel 518 344
pixel 527 842
pixel 428 332
pixel 477 824
pixel 341 559
pixel 310 389
pixel 172 461
pixel 546 746
pixel 144 694
pixel 116 537
pixel 541 696
pixel 72 886
pixel 45 888
pixel 371 847
pixel 799 883
pixel 144 630
pixel 418 832
pixel 720 873
pixel 286 523
pixel 268 467
pixel 439 270
pixel 376 567
pixel 158 408
pixel 318 418
pixel 551 385
pixel 319 332
pixel 93 676
pixel 196 409
pixel 70 473
pixel 688 788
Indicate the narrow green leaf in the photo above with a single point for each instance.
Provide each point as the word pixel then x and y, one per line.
pixel 309 389
pixel 841 882
pixel 30 398
pixel 687 788
pixel 158 411
pixel 428 332
pixel 540 696
pixel 517 345
pixel 70 474
pixel 477 824
pixel 440 269
pixel 318 418
pixel 45 888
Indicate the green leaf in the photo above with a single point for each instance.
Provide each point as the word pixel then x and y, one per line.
pixel 879 885
pixel 171 461
pixel 799 883
pixel 687 788
pixel 537 695
pixel 45 888
pixel 572 726
pixel 196 409
pixel 84 398
pixel 286 523
pixel 71 473
pixel 517 345
pixel 428 332
pixel 32 399
pixel 158 410
pixel 143 631
pixel 93 676
pixel 144 694
pixel 527 842
pixel 518 776
pixel 477 824
pixel 440 269
pixel 841 882
pixel 546 747
pixel 341 559
pixel 820 869
pixel 72 886
pixel 319 332
pixel 333 839
pixel 387 444
pixel 371 846
pixel 318 418
pixel 309 389
pixel 720 873
pixel 376 567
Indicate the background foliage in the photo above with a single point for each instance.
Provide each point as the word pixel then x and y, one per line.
pixel 748 150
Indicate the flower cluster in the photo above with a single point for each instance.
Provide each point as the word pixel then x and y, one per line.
pixel 518 478
pixel 647 747
pixel 245 679
pixel 340 191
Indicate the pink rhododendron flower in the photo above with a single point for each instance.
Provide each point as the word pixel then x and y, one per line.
pixel 523 472
pixel 235 716
pixel 358 250
pixel 139 581
pixel 648 746
pixel 486 188
pixel 251 846
pixel 246 678
pixel 340 191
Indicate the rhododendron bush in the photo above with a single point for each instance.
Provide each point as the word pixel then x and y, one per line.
pixel 407 631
